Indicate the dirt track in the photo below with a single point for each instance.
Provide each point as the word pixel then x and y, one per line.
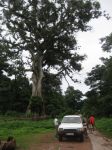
pixel 49 142
pixel 99 142
pixel 95 141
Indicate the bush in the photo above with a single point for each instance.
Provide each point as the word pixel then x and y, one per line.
pixel 13 114
pixel 36 105
pixel 105 126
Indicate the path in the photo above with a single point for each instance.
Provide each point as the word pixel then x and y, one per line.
pixel 95 142
pixel 49 142
pixel 100 142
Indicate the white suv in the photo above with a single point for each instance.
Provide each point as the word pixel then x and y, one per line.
pixel 71 125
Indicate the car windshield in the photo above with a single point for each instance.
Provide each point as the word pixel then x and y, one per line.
pixel 71 120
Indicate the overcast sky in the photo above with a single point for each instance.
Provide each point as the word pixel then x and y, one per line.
pixel 90 45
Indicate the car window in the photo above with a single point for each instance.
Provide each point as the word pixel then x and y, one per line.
pixel 71 120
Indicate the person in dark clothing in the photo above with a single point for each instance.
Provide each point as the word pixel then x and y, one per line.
pixel 85 126
pixel 10 144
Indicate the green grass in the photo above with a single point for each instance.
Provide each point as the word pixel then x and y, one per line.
pixel 104 125
pixel 24 131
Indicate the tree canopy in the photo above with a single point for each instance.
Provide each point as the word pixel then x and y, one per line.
pixel 73 100
pixel 47 31
pixel 99 98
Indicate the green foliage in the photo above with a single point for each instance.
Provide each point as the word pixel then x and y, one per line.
pixel 14 94
pixel 99 98
pixel 25 132
pixel 107 43
pixel 73 100
pixel 105 126
pixel 46 30
pixel 91 104
pixel 36 104
pixel 53 98
pixel 13 113
pixel 51 83
pixel 5 94
pixel 54 103
pixel 18 128
pixel 95 76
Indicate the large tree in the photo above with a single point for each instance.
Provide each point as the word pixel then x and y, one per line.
pixel 46 29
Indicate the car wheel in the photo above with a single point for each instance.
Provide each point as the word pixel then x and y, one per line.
pixel 60 138
pixel 81 138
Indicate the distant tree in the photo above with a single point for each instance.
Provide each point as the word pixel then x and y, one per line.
pixel 91 104
pixel 20 94
pixel 95 76
pixel 5 94
pixel 46 30
pixel 53 98
pixel 73 99
pixel 100 81
pixel 14 93
pixel 5 82
pixel 4 66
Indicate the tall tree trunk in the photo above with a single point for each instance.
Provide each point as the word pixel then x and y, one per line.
pixel 37 83
pixel 37 77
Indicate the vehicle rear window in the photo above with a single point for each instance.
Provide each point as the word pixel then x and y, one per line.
pixel 71 120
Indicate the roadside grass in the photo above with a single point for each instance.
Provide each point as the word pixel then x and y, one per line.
pixel 104 125
pixel 24 131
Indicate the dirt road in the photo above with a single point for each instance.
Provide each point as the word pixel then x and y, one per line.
pixel 100 142
pixel 95 141
pixel 49 142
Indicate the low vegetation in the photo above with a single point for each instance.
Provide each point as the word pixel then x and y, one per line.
pixel 24 131
pixel 104 125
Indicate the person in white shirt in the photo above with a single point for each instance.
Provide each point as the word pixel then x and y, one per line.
pixel 56 123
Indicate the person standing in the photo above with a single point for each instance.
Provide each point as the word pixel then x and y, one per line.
pixel 10 144
pixel 92 122
pixel 85 126
pixel 56 123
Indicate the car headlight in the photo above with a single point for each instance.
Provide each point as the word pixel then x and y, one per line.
pixel 80 129
pixel 60 129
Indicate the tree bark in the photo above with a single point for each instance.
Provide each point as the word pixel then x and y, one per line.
pixel 37 77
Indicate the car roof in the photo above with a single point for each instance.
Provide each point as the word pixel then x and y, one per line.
pixel 72 116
